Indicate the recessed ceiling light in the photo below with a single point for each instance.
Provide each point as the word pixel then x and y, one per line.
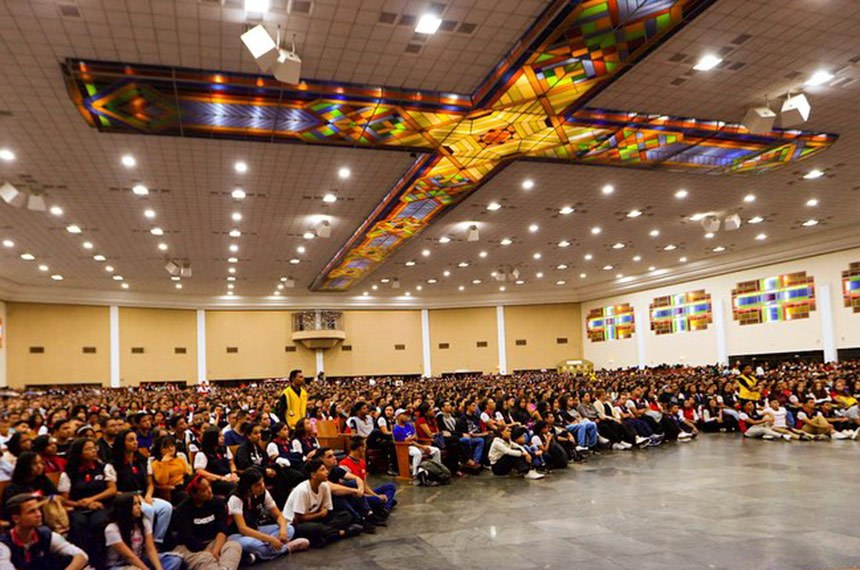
pixel 637 258
pixel 329 198
pixel 99 257
pixel 234 248
pixel 651 268
pixel 619 275
pixel 583 275
pixel 813 174
pixel 309 235
pixel 343 173
pixel 140 190
pixel 528 184
pixel 425 252
pixel 87 245
pixel 375 287
pixel 301 249
pixel 229 293
pixel 536 256
pixel 463 264
pixel 419 288
pixel 483 254
pixel 560 282
pixel 73 229
pixel 707 62
pixel 561 266
pixel 493 273
pixel 810 223
pixel 618 245
pixel 431 281
pixel 533 228
pixel 681 259
pixel 175 278
pixel 409 263
pixel 8 243
pixel 719 249
pixel 56 210
pixel 232 260
pixel 588 257
pixel 756 220
pixel 761 237
pixel 608 267
pixel 295 261
pixel 236 216
pixel 444 239
pixel 241 167
pixel 157 231
pixel 519 281
pixel 128 161
pixel 109 268
pixel 428 24
pixel 502 288
pixel 539 274
pixel 670 247
pixel 162 246
pixel 235 233
pixel 446 273
pixel 595 230
pixel 506 241
pixel 178 285
pixel 564 243
pixel 476 281
pixel 44 267
pixel 238 194
pixel 149 214
pixel 566 210
pixel 124 285
pixel 57 277
pixel 7 155
pixel 230 286
pixel 697 217
pixel 461 288
pixel 231 270
pixel 118 277
pixel 654 233
pixel 812 202
pixel 749 198
pixel 709 235
pixel 493 206
pixel 681 194
pixel 820 77
pixel 256 5
pixel 365 293
pixel 230 278
pixel 634 213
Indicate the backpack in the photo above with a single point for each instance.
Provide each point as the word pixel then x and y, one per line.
pixel 432 473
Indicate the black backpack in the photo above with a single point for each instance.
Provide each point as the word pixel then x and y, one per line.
pixel 432 473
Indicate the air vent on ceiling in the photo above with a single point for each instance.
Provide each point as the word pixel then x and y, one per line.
pixel 37 350
pixel 413 48
pixel 855 59
pixel 387 18
pixel 678 81
pixel 300 7
pixel 438 7
pixel 416 37
pixel 407 20
pixel 232 350
pixel 726 50
pixel 561 340
pixel 738 65
pixel 743 38
pixel 444 346
pixel 793 75
pixel 5 113
pixel 466 28
pixel 448 26
pixel 678 58
pixel 69 11
pixel 844 82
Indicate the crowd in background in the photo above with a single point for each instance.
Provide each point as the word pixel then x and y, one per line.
pixel 213 477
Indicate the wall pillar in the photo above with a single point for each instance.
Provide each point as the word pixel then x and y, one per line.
pixel 320 360
pixel 201 346
pixel 114 347
pixel 641 316
pixel 4 323
pixel 425 343
pixel 500 329
pixel 718 306
pixel 828 338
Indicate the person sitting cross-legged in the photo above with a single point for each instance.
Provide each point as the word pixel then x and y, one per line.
pixel 29 545
pixel 129 538
pixel 381 499
pixel 757 426
pixel 507 455
pixel 348 491
pixel 404 431
pixel 200 527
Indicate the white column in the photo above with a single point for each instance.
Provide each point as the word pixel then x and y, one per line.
pixel 642 326
pixel 500 327
pixel 201 346
pixel 828 338
pixel 320 361
pixel 114 346
pixel 718 306
pixel 4 324
pixel 425 343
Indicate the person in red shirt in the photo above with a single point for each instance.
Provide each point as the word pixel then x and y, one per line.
pixel 381 499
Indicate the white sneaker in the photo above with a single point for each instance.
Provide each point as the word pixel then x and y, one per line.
pixel 627 445
pixel 645 440
pixel 601 439
pixel 768 437
pixel 856 434
pixel 786 437
pixel 685 435
pixel 581 448
pixel 839 435
pixel 534 475
pixel 684 439
pixel 618 447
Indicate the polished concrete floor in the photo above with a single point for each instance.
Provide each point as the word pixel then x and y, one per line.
pixel 719 502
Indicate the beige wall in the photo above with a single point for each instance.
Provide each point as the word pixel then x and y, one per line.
pixel 373 336
pixel 159 332
pixel 260 337
pixel 462 329
pixel 540 326
pixel 63 331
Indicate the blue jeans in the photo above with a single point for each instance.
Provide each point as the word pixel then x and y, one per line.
pixel 161 511
pixel 168 562
pixel 262 550
pixel 387 490
pixel 537 460
pixel 585 432
pixel 476 444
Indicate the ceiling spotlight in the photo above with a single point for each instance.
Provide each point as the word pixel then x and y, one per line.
pixel 813 174
pixel 608 189
pixel 588 257
pixel 428 24
pixel 707 62
pixel 99 257
pixel 236 217
pixel 618 245
pixel 301 249
pixel 719 249
pixel 28 256
pixel 810 223
pixel 483 254
pixel 761 237
pixel 231 270
pixel 681 259
pixel 795 111
pixel 118 278
pixel 711 223
pixel 241 167
pixel 654 233
pixel 156 231
pixel 502 288
pixel 232 260
pixel 463 264
pixel 637 258
pixel 295 261
pixel 461 288
pixel 709 235
pixel 506 241
pixel 73 229
pixel 756 220
pixel 12 196
pixel 235 233
pixel 444 239
pixel 749 198
pixel 519 281
pixel 57 277
pixel 230 278
pixel 528 184
pixel 178 285
pixel 425 253
pixel 476 281
pixel 234 248
pixel 564 243
pixel 473 234
pixel 812 202
pixel 533 228
pixel 561 266
pixel 619 275
pixel 681 194
pixel 6 155
pixel 87 245
pixel 256 5
pixel 343 173
pixel 238 194
pixel 140 190
pixel 329 198
pixel 536 256
pixel 230 286
pixel 290 283
pixel 431 281
pixel 176 278
pixel 634 214
pixel 43 268
pixel 128 161
pixel 759 120
pixel 493 206
pixel 560 282
pixel 309 235
pixel 583 275
pixel 446 273
pixel 539 274
pixel 149 214
pixel 56 210
pixel 230 293
pixel 162 246
pixel 8 243
pixel 820 77
pixel 608 267
pixel 124 285
pixel 409 263
pixel 109 268
pixel 595 230
pixel 323 229
pixel 732 222
pixel 566 210
pixel 670 247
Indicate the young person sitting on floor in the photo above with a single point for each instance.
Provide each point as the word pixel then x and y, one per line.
pixel 129 538
pixel 381 499
pixel 506 455
pixel 200 525
pixel 348 492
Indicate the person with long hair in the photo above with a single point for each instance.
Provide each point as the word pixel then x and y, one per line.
pixel 215 462
pixel 134 475
pixel 88 486
pixel 304 442
pixel 29 477
pixel 258 525
pixel 129 538
pixel 201 530
pixel 46 446
pixel 169 467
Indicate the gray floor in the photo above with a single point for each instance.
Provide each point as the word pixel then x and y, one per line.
pixel 719 502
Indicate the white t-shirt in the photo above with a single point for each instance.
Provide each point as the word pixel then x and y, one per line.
pixel 303 500
pixel 235 506
pixel 112 536
pixel 361 427
pixel 778 417
pixel 497 416
pixel 65 484
pixel 200 461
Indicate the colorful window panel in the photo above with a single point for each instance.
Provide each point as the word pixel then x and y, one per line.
pixel 781 298
pixel 851 287
pixel 614 322
pixel 684 312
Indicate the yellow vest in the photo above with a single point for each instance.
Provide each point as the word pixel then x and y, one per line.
pixel 297 405
pixel 747 387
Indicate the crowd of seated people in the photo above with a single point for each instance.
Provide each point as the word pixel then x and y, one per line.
pixel 212 477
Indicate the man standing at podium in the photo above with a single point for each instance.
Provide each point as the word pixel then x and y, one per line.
pixel 293 403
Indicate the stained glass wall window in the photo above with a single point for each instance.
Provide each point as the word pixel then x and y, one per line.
pixel 780 298
pixel 851 287
pixel 683 312
pixel 614 322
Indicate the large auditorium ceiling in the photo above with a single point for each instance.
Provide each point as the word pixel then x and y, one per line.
pixel 637 235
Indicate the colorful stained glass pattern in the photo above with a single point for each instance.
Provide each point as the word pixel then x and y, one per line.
pixel 532 105
pixel 851 287
pixel 614 322
pixel 683 312
pixel 782 298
